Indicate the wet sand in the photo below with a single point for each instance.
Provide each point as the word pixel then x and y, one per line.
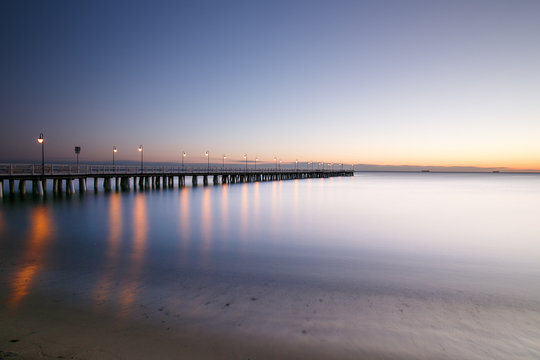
pixel 215 314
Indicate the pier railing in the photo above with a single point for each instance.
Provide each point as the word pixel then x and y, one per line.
pixel 8 170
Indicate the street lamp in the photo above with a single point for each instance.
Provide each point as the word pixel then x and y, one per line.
pixel 114 151
pixel 183 156
pixel 41 141
pixel 207 154
pixel 77 152
pixel 279 164
pixel 296 166
pixel 223 165
pixel 256 159
pixel 141 151
pixel 245 157
pixel 275 158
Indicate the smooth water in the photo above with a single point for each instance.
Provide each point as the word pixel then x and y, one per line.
pixel 381 265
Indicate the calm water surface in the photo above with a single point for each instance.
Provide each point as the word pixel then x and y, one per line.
pixel 379 265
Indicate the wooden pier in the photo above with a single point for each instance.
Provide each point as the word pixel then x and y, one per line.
pixel 125 178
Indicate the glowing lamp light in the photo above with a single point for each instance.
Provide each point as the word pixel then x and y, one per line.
pixel 40 139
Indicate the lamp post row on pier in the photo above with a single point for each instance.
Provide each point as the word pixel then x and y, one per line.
pixel 41 141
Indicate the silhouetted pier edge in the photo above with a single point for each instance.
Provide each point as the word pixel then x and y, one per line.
pixel 126 177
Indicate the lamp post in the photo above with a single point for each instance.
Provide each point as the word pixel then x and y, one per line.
pixel 41 141
pixel 77 152
pixel 279 164
pixel 142 159
pixel 207 154
pixel 183 156
pixel 256 159
pixel 245 157
pixel 275 158
pixel 114 151
pixel 296 166
pixel 223 164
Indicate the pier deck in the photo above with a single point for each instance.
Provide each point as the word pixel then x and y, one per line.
pixel 147 177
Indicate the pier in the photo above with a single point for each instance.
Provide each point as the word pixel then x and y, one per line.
pixel 14 177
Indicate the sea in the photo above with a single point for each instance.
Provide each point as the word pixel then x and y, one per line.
pixel 374 266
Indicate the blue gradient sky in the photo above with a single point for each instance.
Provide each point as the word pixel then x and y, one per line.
pixel 382 82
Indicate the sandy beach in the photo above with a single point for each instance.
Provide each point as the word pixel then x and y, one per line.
pixel 238 315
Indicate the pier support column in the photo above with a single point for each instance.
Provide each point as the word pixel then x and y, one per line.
pixel 11 187
pixel 181 181
pixel 82 185
pixel 107 184
pixel 34 187
pixel 95 184
pixel 70 187
pixel 205 180
pixel 146 183
pixel 194 180
pixel 44 186
pixel 1 189
pixel 124 184
pixel 39 188
pixel 22 187
pixel 215 180
pixel 117 183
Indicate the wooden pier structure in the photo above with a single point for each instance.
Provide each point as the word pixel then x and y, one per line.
pixel 124 178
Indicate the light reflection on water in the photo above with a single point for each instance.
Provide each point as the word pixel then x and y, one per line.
pixel 35 254
pixel 103 287
pixel 341 240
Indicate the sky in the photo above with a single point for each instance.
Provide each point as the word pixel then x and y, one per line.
pixel 441 83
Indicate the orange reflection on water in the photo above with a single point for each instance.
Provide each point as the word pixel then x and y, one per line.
pixel 113 245
pixel 184 218
pixel 244 213
pixel 206 223
pixel 256 204
pixel 225 210
pixel 276 203
pixel 140 233
pixel 39 239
